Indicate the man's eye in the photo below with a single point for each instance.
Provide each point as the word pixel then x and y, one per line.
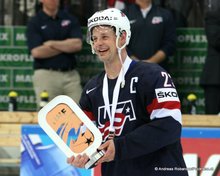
pixel 94 39
pixel 105 37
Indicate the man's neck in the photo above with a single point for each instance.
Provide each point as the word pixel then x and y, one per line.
pixel 51 13
pixel 113 69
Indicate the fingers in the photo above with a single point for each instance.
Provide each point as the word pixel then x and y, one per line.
pixel 104 146
pixel 78 161
pixel 70 160
pixel 109 148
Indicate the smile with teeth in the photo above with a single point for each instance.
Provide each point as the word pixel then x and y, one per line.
pixel 102 50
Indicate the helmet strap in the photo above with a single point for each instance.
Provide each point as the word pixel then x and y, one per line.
pixel 93 51
pixel 120 58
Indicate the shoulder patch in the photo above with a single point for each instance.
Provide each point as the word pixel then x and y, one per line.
pixel 166 94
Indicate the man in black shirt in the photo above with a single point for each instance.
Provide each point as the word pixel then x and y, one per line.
pixel 53 36
pixel 153 32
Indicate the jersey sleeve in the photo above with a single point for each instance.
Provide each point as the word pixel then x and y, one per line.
pixel 34 37
pixel 76 31
pixel 162 98
pixel 163 118
pixel 168 44
pixel 86 104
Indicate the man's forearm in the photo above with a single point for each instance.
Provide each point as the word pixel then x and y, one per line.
pixel 43 52
pixel 158 57
pixel 67 46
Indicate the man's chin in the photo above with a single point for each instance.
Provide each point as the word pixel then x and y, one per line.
pixel 102 55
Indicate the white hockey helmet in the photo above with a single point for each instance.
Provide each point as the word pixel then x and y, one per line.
pixel 112 17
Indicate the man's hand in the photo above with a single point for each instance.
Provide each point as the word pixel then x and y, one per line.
pixel 109 148
pixel 78 161
pixel 50 43
pixel 66 46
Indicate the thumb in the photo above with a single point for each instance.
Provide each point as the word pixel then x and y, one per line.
pixel 104 145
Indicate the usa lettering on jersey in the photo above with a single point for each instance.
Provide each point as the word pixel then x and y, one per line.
pixel 124 111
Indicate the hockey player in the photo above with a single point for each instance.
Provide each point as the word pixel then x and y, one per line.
pixel 134 104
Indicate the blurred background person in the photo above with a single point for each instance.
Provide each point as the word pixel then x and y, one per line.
pixel 153 32
pixel 179 8
pixel 53 36
pixel 83 9
pixel 119 4
pixel 210 78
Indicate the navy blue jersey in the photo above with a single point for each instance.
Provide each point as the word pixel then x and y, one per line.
pixel 147 122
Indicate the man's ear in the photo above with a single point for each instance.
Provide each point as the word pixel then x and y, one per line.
pixel 123 37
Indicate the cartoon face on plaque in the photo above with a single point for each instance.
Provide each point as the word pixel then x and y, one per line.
pixel 70 128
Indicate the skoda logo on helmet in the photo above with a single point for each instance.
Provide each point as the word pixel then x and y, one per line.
pixel 112 17
pixel 100 18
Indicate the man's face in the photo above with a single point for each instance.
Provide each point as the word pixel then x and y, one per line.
pixel 51 4
pixel 104 42
pixel 143 1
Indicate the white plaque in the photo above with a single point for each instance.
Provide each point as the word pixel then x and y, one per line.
pixel 70 129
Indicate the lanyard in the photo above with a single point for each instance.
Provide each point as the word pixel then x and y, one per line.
pixel 116 90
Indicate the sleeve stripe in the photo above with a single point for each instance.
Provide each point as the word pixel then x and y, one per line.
pixel 167 104
pixel 161 113
pixel 165 109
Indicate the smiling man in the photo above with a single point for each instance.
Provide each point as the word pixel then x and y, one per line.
pixel 134 104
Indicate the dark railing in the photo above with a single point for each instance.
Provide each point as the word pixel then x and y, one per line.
pixel 13 12
pixel 18 12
